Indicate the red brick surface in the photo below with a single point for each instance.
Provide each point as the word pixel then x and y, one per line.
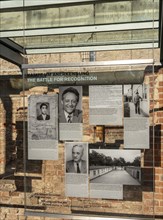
pixel 45 179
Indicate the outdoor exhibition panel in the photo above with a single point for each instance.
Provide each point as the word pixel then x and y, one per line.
pixel 113 132
pixel 81 113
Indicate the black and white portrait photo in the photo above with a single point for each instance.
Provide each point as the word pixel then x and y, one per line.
pixel 70 104
pixel 42 111
pixel 76 169
pixel 76 158
pixel 43 126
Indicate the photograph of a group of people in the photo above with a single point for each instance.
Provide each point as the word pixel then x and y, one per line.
pixel 136 100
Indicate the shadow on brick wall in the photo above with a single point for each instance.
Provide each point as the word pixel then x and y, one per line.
pixel 147 179
pixel 32 168
pixel 14 162
pixel 152 156
pixel 8 136
pixel 132 193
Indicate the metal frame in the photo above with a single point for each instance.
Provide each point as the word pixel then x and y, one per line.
pixel 11 52
pixel 92 48
pixel 12 56
pixel 11 44
pixel 5 5
pixel 15 5
pixel 89 64
pixel 81 29
pixel 30 3
pixel 85 29
pixel 82 217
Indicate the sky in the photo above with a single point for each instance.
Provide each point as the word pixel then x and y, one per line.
pixel 135 88
pixel 128 155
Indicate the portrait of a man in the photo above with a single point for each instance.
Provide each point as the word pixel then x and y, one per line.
pixel 43 112
pixel 77 164
pixel 69 113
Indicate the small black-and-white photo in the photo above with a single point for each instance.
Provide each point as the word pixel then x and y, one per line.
pixel 43 117
pixel 70 104
pixel 76 157
pixel 43 126
pixel 136 100
pixel 108 166
pixel 43 111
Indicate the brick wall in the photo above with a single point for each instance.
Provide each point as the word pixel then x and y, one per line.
pixel 45 179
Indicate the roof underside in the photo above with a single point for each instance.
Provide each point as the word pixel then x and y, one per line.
pixel 72 26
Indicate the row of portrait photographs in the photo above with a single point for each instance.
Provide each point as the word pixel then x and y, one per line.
pixel 45 111
pixel 70 106
pixel 50 112
pixel 102 171
pixel 136 103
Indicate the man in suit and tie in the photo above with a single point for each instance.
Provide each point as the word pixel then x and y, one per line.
pixel 68 112
pixel 44 115
pixel 77 164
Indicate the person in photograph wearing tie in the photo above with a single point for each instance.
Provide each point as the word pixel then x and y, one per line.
pixel 77 164
pixel 69 101
pixel 44 112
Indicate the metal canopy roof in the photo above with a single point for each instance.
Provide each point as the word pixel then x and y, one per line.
pixel 52 26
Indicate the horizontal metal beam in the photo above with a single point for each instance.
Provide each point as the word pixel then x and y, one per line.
pixel 11 56
pixel 90 64
pixel 15 4
pixel 11 44
pixel 31 3
pixel 82 217
pixel 92 48
pixel 81 29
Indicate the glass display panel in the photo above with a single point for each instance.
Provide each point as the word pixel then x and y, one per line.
pixel 130 23
pixel 85 14
pixel 117 171
pixel 109 167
